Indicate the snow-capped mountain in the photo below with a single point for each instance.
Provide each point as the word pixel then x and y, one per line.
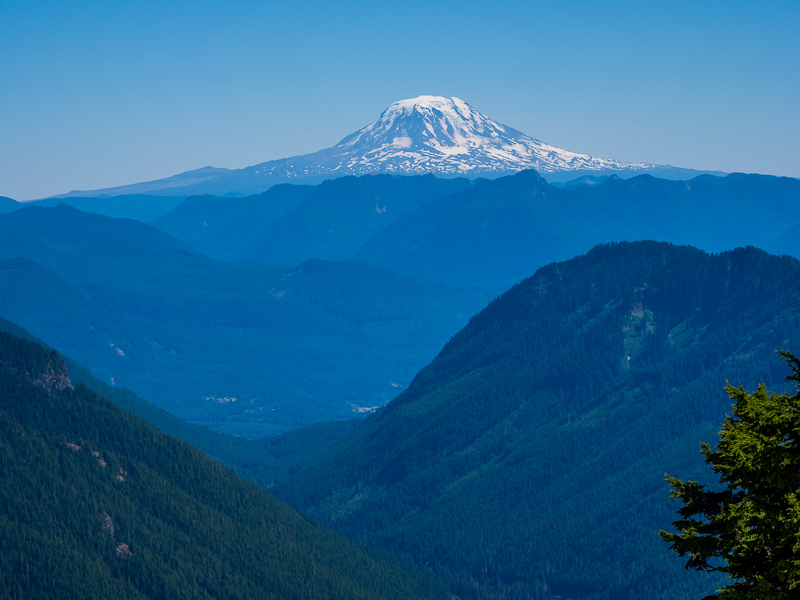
pixel 427 134
pixel 444 136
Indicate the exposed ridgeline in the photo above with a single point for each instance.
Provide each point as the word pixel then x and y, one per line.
pixel 527 460
pixel 95 503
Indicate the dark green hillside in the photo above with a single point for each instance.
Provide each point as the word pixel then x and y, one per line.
pixel 499 231
pixel 527 460
pixel 292 345
pixel 342 214
pixel 95 503
pixel 223 227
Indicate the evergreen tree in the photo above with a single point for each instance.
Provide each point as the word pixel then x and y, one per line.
pixel 749 527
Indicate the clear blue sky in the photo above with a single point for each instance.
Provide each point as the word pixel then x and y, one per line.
pixel 96 94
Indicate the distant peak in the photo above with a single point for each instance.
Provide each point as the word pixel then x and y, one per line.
pixel 431 101
pixel 454 106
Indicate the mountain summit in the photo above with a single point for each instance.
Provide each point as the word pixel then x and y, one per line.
pixel 447 136
pixel 427 134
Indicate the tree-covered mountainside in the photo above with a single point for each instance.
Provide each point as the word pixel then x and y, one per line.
pixel 527 460
pixel 498 232
pixel 95 503
pixel 291 345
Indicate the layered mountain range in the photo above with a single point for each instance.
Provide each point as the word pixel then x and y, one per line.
pixel 362 279
pixel 485 232
pixel 427 134
pixel 252 349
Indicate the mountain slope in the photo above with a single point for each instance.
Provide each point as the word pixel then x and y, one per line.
pixel 142 207
pixel 291 345
pixel 499 231
pixel 84 232
pixel 527 460
pixel 96 503
pixel 182 184
pixel 8 204
pixel 342 214
pixel 264 461
pixel 223 227
pixel 494 234
pixel 427 134
pixel 787 243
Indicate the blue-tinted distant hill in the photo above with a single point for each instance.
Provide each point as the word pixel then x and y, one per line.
pixel 8 204
pixel 498 232
pixel 73 230
pixel 244 348
pixel 142 207
pixel 787 243
pixel 527 460
pixel 223 227
pixel 342 214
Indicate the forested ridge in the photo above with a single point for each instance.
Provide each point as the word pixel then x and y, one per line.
pixel 95 503
pixel 527 460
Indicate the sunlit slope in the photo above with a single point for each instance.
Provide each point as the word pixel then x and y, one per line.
pixel 527 460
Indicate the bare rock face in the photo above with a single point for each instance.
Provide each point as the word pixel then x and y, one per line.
pixel 108 525
pixel 124 552
pixel 52 380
